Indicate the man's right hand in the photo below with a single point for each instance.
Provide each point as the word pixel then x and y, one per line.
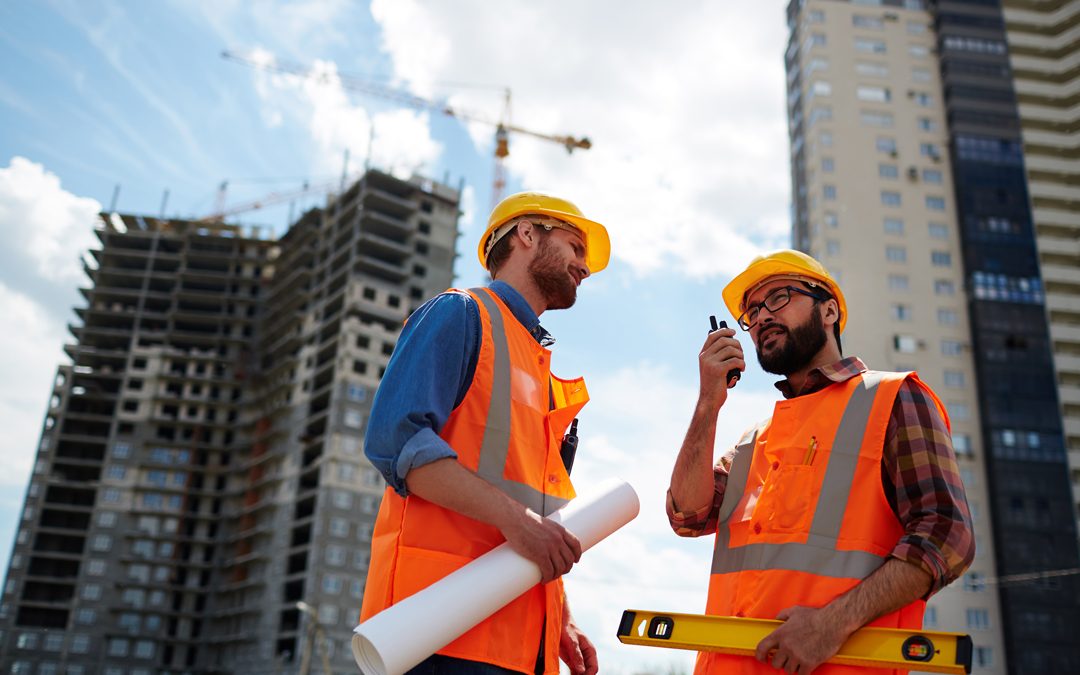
pixel 720 354
pixel 543 541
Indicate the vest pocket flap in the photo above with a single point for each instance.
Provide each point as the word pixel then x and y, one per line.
pixel 787 498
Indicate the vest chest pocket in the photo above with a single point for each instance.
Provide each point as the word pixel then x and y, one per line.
pixel 786 500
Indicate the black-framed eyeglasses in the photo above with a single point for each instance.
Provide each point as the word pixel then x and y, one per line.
pixel 774 302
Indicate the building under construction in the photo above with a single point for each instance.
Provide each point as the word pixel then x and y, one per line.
pixel 200 502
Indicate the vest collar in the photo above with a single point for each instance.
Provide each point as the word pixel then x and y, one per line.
pixel 522 311
pixel 819 378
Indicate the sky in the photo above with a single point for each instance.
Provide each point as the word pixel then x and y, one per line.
pixel 132 103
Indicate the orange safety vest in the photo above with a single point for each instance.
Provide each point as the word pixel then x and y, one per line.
pixel 804 517
pixel 508 429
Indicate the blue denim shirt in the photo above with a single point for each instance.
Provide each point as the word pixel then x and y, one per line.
pixel 427 377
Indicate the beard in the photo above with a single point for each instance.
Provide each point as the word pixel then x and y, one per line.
pixel 550 274
pixel 802 344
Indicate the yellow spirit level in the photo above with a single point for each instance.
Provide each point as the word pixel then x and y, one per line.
pixel 872 647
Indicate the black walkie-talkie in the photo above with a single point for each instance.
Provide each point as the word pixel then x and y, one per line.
pixel 568 449
pixel 734 375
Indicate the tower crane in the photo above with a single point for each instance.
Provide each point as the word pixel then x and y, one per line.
pixel 503 126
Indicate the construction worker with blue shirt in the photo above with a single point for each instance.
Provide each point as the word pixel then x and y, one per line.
pixel 466 429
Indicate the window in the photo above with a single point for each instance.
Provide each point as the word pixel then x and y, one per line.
pixel 887 171
pixel 900 311
pixel 101 542
pixel 332 584
pixel 916 27
pixel 85 616
pixel 328 614
pixel 80 644
pixel 110 496
pixel 921 75
pixel 144 649
pixel 930 617
pixel 889 198
pixel 926 124
pixel 95 568
pixel 871 22
pixel 886 144
pixel 894 226
pixel 353 419
pixel 832 247
pixel 827 164
pixel 930 150
pixel 339 527
pixel 983 657
pixel 896 254
pixel 919 51
pixel 898 282
pixel 876 119
pixel 947 317
pixel 906 344
pixel 961 413
pixel 826 139
pixel 931 176
pixel 335 555
pixel 27 641
pixel 869 46
pixel 831 219
pixel 118 647
pixel 975 582
pixel 820 88
pixel 951 348
pixel 941 258
pixel 978 619
pixel 356 393
pixel 923 99
pixel 121 450
pixel 944 287
pixel 342 499
pixel 54 642
pixel 935 203
pixel 954 378
pixel 116 472
pixel 872 69
pixel 874 94
pixel 962 445
pixel 106 519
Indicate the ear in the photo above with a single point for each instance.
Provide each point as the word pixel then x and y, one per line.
pixel 831 311
pixel 526 234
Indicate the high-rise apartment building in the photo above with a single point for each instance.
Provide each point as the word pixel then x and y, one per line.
pixel 200 502
pixel 1044 52
pixel 908 183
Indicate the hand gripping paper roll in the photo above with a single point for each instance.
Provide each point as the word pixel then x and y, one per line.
pixel 406 633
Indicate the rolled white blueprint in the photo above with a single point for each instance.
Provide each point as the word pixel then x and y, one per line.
pixel 406 633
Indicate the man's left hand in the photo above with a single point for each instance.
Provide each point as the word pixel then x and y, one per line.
pixel 805 640
pixel 576 650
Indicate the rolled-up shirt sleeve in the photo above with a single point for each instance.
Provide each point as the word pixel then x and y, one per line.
pixel 929 498
pixel 704 520
pixel 426 378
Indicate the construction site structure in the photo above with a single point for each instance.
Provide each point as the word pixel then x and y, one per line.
pixel 200 494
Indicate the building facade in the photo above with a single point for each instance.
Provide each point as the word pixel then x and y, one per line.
pixel 1044 54
pixel 200 502
pixel 908 183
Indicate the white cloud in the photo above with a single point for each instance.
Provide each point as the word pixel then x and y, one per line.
pixel 31 350
pixel 643 411
pixel 689 164
pixel 399 139
pixel 49 225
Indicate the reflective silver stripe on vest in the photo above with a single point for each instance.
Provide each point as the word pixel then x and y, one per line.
pixel 496 444
pixel 738 473
pixel 818 555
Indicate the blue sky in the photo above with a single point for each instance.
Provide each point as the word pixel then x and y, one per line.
pixel 688 170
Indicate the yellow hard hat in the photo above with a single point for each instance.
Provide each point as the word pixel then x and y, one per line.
pixel 782 263
pixel 597 244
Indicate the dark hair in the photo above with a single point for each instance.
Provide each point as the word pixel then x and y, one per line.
pixel 500 252
pixel 824 296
